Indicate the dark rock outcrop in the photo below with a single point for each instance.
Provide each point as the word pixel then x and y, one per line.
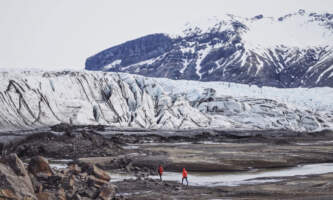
pixel 15 182
pixel 132 52
pixel 66 144
pixel 43 183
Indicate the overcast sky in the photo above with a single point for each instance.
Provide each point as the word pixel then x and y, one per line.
pixel 59 34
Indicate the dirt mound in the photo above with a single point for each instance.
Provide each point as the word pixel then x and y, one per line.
pixel 69 143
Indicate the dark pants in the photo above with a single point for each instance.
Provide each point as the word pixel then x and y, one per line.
pixel 185 179
pixel 160 175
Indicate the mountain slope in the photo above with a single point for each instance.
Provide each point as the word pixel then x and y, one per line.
pixel 295 50
pixel 36 99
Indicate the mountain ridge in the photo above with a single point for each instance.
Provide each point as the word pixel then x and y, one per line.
pixel 240 50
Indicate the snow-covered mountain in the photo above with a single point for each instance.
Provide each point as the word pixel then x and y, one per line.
pixel 36 99
pixel 295 50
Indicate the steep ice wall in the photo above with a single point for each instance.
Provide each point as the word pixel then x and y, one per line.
pixel 35 99
pixel 39 99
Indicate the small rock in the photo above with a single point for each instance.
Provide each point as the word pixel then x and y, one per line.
pixel 92 169
pixel 74 168
pixel 107 192
pixel 39 166
pixel 54 180
pixel 61 195
pixel 177 188
pixel 99 173
pixel 76 197
pixel 37 186
pixel 92 180
pixel 69 183
pixel 7 194
pixel 46 196
pixel 83 176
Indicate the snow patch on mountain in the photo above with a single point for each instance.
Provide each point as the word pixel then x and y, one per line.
pixel 326 71
pixel 300 29
pixel 112 65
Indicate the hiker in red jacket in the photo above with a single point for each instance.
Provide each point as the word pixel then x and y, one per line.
pixel 185 176
pixel 160 171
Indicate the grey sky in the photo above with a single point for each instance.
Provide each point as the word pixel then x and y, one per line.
pixel 58 34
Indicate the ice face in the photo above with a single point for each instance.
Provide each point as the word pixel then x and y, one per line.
pixel 35 99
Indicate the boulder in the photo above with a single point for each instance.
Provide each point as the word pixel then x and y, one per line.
pixel 68 184
pixel 7 194
pixel 14 180
pixel 46 196
pixel 51 195
pixel 92 169
pixel 39 166
pixel 16 164
pixel 76 197
pixel 38 186
pixel 61 195
pixel 107 192
pixel 101 174
pixel 93 181
pixel 40 182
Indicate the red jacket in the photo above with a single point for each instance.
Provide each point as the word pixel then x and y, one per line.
pixel 160 170
pixel 184 173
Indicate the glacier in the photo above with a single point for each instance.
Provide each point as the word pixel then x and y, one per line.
pixel 33 99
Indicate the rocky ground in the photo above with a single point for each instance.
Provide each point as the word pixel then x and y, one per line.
pixel 139 152
pixel 63 141
pixel 39 181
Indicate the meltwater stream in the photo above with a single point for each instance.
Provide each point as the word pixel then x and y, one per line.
pixel 230 178
pixel 239 178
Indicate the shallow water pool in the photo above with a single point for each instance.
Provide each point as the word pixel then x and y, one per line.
pixel 239 178
pixel 253 177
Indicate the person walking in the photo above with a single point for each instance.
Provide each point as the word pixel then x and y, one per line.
pixel 185 176
pixel 160 171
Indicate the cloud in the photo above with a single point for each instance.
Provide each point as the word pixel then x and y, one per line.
pixel 62 34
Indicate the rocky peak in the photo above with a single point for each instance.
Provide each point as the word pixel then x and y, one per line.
pixel 233 49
